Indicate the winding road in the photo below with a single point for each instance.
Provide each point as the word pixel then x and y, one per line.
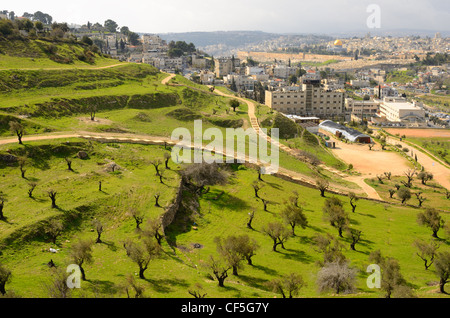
pixel 146 139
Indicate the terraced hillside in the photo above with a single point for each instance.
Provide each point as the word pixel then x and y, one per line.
pixel 148 226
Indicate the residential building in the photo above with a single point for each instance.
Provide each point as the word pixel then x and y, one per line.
pixel 225 66
pixel 242 82
pixel 307 100
pixel 283 71
pixel 361 108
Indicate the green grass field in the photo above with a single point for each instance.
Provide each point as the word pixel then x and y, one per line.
pixel 181 265
pixel 130 99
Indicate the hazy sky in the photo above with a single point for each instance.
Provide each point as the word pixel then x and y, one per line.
pixel 279 16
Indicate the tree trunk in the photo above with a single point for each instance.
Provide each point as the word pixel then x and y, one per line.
pixel 235 271
pixel 83 275
pixel 2 288
pixel 141 272
pixel 442 283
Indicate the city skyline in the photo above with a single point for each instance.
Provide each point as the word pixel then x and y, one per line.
pixel 287 16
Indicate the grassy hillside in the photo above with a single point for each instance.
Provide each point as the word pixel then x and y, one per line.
pixel 130 100
pixel 189 242
pixel 41 53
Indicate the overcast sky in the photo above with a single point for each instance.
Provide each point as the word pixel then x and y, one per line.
pixel 278 16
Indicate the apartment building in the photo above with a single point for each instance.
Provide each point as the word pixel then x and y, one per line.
pixel 283 71
pixel 361 108
pixel 242 82
pixel 307 100
pixel 225 66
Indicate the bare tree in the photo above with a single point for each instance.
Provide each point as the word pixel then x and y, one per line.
pixel 57 287
pixel 338 277
pixel 250 219
pixel 18 129
pixel 52 195
pixel 69 163
pixel 420 198
pixel 157 195
pixel 167 157
pixel 197 292
pixel 353 198
pixel 256 187
pixel 219 269
pixel 388 175
pixel 410 176
pixel 32 186
pixel 426 251
pixel 156 164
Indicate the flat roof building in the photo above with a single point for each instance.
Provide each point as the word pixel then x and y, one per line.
pixel 399 110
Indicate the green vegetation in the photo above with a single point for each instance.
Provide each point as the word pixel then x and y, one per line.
pixel 439 147
pixel 401 77
pixel 190 241
pixel 139 223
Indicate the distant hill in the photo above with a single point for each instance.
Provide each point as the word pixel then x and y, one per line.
pixel 220 42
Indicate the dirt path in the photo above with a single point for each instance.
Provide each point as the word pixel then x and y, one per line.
pixel 168 78
pixel 441 174
pixel 369 191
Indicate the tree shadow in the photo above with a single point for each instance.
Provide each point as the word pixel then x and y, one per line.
pixel 296 255
pixel 104 287
pixel 110 244
pixel 164 285
pixel 266 270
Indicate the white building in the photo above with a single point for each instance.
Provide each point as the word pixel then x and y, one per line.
pixel 242 82
pixel 399 110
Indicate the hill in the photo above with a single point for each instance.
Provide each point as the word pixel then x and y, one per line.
pixel 25 52
pixel 104 179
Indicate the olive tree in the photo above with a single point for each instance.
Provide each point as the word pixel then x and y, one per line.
pixel 432 219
